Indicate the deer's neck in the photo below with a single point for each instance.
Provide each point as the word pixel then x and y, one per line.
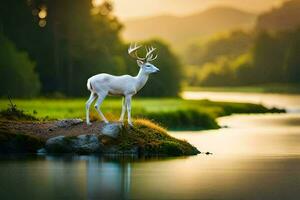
pixel 142 79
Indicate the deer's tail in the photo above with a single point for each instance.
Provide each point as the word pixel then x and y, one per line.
pixel 89 85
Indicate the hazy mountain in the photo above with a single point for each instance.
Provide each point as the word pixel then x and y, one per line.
pixel 180 29
pixel 285 17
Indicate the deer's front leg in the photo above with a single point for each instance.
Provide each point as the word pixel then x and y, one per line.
pixel 101 97
pixel 128 104
pixel 123 110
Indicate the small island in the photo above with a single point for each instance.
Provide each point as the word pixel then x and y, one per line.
pixel 29 135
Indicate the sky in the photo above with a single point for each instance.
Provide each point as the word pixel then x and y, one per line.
pixel 126 9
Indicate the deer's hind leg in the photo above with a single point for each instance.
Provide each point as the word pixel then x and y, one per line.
pixel 87 107
pixel 100 99
pixel 128 105
pixel 123 110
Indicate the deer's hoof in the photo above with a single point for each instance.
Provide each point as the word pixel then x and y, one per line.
pixel 130 124
pixel 89 123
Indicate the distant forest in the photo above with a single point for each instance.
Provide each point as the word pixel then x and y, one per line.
pixel 270 53
pixel 50 48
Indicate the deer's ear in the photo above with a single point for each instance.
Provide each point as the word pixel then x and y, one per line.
pixel 140 63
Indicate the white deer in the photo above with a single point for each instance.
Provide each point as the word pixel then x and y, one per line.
pixel 102 85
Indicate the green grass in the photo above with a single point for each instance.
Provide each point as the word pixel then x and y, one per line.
pixel 173 113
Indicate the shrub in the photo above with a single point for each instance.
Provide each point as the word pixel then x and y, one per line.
pixel 13 113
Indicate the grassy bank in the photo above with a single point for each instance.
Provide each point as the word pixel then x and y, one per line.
pixel 269 88
pixel 151 139
pixel 171 113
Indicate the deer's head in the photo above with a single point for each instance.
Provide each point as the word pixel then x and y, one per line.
pixel 144 62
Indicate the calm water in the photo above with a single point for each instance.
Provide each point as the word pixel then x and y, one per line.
pixel 257 157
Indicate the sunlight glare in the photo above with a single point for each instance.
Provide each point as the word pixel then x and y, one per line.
pixel 43 13
pixel 97 3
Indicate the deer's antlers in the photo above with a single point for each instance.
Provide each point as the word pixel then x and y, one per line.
pixel 132 51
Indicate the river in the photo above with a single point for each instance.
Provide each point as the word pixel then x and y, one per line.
pixel 256 157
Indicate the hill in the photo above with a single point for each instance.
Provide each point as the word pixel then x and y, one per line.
pixel 181 29
pixel 284 17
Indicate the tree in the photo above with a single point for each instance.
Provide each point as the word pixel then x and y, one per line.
pixel 268 56
pixel 168 81
pixel 230 45
pixel 71 40
pixel 85 42
pixel 17 75
pixel 292 59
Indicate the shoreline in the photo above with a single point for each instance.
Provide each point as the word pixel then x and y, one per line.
pixel 74 136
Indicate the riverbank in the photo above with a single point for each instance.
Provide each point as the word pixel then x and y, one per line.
pixel 172 113
pixel 268 88
pixel 74 136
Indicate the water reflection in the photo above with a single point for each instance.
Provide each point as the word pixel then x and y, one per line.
pixel 250 135
pixel 257 157
pixel 67 177
pixel 107 180
pixel 76 177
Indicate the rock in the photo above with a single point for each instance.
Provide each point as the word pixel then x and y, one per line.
pixel 87 144
pixel 111 130
pixel 83 144
pixel 57 145
pixel 67 123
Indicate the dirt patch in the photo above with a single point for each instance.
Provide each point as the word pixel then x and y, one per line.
pixel 46 130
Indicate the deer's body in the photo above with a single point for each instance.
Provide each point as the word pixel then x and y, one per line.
pixel 116 85
pixel 102 85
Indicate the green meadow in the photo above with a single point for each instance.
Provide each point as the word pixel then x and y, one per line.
pixel 172 113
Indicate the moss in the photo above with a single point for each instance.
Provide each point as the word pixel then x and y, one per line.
pixel 19 143
pixel 150 139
